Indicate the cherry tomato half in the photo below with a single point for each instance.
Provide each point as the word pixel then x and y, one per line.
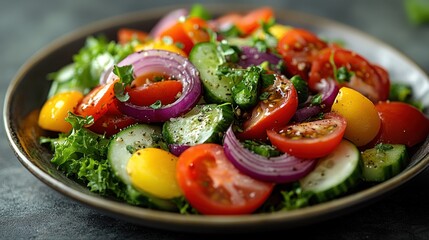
pixel 274 112
pixel 310 139
pixel 250 21
pixel 401 123
pixel 97 102
pixel 246 23
pixel 366 79
pixel 111 123
pixel 165 91
pixel 187 33
pixel 298 47
pixel 212 184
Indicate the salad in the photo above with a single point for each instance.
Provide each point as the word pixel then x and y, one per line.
pixel 234 114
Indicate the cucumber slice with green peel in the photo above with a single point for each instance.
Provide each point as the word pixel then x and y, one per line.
pixel 384 161
pixel 204 123
pixel 206 58
pixel 126 142
pixel 122 146
pixel 334 174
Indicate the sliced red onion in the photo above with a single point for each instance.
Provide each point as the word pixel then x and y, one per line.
pixel 168 63
pixel 105 75
pixel 177 149
pixel 281 169
pixel 251 56
pixel 167 21
pixel 329 90
pixel 307 112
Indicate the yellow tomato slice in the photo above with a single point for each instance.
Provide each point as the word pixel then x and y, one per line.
pixel 363 122
pixel 153 170
pixel 55 110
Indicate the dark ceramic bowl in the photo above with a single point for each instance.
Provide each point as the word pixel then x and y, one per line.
pixel 28 90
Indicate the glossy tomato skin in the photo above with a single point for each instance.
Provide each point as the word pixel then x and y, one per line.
pixel 366 78
pixel 250 21
pixel 110 124
pixel 274 112
pixel 298 47
pixel 213 186
pixel 97 102
pixel 363 122
pixel 55 110
pixel 310 139
pixel 165 91
pixel 401 123
pixel 186 33
pixel 245 23
pixel 112 121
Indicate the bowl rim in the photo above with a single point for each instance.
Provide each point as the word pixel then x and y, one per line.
pixel 201 223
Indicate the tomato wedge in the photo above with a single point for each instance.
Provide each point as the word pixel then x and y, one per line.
pixel 246 23
pixel 187 33
pixel 298 47
pixel 274 112
pixel 165 91
pixel 366 78
pixel 97 102
pixel 401 123
pixel 111 123
pixel 252 20
pixel 212 185
pixel 310 139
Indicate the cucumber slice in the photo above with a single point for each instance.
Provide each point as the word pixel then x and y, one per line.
pixel 122 146
pixel 126 142
pixel 204 123
pixel 206 58
pixel 383 162
pixel 334 174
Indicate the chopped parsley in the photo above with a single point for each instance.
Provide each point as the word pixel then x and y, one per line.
pixel 126 76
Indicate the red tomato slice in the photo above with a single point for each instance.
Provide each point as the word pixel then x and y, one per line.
pixel 253 19
pixel 246 23
pixel 274 112
pixel 165 91
pixel 384 79
pixel 298 47
pixel 126 35
pixel 97 102
pixel 187 33
pixel 401 123
pixel 212 185
pixel 110 123
pixel 196 29
pixel 366 78
pixel 310 139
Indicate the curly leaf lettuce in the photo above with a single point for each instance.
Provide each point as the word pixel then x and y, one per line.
pixel 88 65
pixel 82 155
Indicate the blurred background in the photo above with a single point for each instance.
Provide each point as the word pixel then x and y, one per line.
pixel 30 209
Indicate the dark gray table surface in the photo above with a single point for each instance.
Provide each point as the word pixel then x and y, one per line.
pixel 31 210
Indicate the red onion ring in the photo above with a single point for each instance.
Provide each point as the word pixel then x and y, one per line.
pixel 281 169
pixel 104 77
pixel 307 112
pixel 168 63
pixel 167 21
pixel 177 149
pixel 251 56
pixel 329 90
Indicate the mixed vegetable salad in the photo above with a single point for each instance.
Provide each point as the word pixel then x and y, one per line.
pixel 235 114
